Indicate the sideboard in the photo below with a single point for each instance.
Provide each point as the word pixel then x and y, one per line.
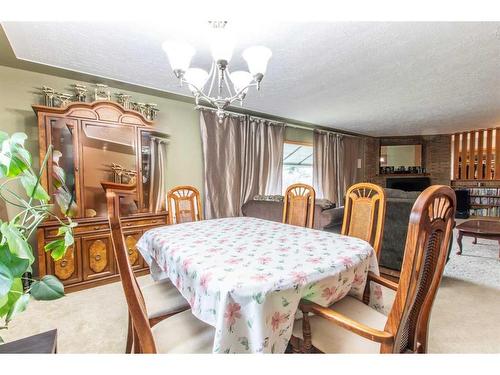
pixel 99 141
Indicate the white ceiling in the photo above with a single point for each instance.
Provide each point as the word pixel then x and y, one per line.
pixel 372 78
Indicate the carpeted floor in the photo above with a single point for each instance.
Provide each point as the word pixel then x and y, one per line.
pixel 465 317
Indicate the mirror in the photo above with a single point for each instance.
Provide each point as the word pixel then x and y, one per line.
pixel 107 151
pixel 401 156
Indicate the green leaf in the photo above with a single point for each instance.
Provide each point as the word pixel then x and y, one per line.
pixel 18 307
pixel 6 279
pixel 58 176
pixel 15 293
pixel 68 239
pixel 57 248
pixel 18 138
pixel 62 230
pixel 17 266
pixel 16 242
pixel 33 187
pixel 47 289
pixel 14 159
pixel 4 300
pixel 22 157
pixel 65 202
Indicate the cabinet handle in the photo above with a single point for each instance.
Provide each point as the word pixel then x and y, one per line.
pixel 96 228
pixel 97 257
pixel 128 224
pixel 63 263
pixel 130 252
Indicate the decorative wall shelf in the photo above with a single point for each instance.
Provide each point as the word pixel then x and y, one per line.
pixel 403 174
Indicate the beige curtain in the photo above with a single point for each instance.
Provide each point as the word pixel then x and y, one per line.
pixel 262 158
pixel 352 151
pixel 334 164
pixel 327 174
pixel 242 157
pixel 158 165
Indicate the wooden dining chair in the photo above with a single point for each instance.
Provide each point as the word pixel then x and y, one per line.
pixel 364 214
pixel 350 326
pixel 150 307
pixel 298 205
pixel 184 205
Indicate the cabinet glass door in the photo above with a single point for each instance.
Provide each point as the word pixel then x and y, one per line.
pixel 64 138
pixel 153 170
pixel 108 154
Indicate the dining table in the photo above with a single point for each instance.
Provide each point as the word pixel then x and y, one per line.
pixel 246 276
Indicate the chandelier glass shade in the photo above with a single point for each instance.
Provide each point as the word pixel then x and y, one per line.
pixel 218 87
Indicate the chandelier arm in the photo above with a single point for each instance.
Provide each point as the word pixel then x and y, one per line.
pixel 227 83
pixel 220 83
pixel 241 92
pixel 199 93
pixel 212 73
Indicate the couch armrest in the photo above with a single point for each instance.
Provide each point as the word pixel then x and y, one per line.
pixel 335 215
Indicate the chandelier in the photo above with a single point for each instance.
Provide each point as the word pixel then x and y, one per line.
pixel 225 87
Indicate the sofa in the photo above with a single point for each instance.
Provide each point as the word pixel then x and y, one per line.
pixel 397 214
pixel 326 215
pixel 399 204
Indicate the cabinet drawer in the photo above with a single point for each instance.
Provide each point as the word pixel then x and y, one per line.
pixel 80 229
pixel 97 256
pixel 144 222
pixel 68 269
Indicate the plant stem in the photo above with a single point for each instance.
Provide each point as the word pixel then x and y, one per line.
pixel 40 172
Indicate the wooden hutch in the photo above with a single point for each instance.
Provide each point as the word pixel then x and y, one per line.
pixel 92 137
pixel 476 168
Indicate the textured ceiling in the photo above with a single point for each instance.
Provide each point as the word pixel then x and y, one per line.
pixel 371 78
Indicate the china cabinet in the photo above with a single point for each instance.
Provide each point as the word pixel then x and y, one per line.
pixel 100 141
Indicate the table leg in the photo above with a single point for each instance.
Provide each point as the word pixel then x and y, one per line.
pixel 459 241
pixel 499 249
pixel 475 240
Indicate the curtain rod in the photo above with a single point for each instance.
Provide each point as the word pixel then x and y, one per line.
pixel 286 124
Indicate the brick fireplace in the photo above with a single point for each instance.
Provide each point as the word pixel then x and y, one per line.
pixel 436 158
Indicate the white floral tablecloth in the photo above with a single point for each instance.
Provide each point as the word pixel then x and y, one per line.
pixel 246 276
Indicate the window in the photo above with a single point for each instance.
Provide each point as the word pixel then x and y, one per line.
pixel 297 164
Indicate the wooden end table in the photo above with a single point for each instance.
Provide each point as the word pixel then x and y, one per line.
pixel 486 229
pixel 43 343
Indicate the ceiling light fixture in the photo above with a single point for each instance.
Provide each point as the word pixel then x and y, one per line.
pixel 225 87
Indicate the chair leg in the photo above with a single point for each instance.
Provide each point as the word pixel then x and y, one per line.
pixel 295 345
pixel 306 334
pixel 137 345
pixel 130 337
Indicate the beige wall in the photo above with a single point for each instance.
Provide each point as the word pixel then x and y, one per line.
pixel 19 90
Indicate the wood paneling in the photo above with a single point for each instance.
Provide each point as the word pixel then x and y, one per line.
pixel 497 154
pixel 475 154
pixel 489 139
pixel 456 153
pixel 480 155
pixel 463 157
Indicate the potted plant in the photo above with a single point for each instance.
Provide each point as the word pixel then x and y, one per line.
pixel 33 206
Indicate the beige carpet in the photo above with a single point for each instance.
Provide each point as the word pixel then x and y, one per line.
pixel 465 318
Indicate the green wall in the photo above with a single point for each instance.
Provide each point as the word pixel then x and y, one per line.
pixel 19 89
